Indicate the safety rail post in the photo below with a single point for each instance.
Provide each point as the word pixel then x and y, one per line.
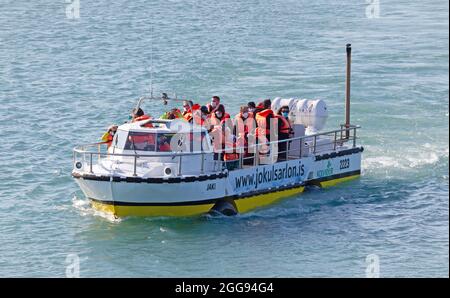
pixel 335 140
pixel 256 160
pixel 202 167
pixel 241 161
pixel 90 163
pixel 354 137
pixel 314 144
pixel 135 165
pixel 179 165
pixel 301 145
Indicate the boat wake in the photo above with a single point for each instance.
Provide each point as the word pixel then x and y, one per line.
pixel 85 209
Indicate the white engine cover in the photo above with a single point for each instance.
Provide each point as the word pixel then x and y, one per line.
pixel 312 114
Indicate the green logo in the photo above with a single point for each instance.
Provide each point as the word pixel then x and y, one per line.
pixel 325 172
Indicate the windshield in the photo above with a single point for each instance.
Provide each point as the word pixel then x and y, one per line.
pixel 166 142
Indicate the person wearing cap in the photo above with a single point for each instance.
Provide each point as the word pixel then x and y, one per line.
pixel 187 110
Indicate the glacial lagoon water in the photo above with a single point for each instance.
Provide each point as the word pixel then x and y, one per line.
pixel 65 77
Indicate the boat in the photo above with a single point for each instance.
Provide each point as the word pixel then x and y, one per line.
pixel 135 177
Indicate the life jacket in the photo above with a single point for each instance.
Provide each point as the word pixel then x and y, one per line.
pixel 144 117
pixel 248 124
pixel 230 152
pixel 107 138
pixel 285 125
pixel 211 110
pixel 263 122
pixel 165 147
pixel 187 115
pixel 216 121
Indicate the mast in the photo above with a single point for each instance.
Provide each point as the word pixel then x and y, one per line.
pixel 347 90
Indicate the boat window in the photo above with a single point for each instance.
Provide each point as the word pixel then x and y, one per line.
pixel 142 141
pixel 163 142
pixel 119 139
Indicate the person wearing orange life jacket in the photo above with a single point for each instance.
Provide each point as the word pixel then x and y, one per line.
pixel 264 121
pixel 244 124
pixel 201 117
pixel 214 105
pixel 284 132
pixel 139 115
pixel 187 110
pixel 219 116
pixel 108 136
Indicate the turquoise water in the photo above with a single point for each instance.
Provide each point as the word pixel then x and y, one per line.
pixel 63 81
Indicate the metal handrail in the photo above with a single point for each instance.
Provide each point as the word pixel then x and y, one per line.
pixel 79 149
pixel 82 150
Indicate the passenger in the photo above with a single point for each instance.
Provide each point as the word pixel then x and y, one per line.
pixel 163 144
pixel 244 124
pixel 108 136
pixel 259 108
pixel 139 115
pixel 284 132
pixel 263 120
pixel 214 105
pixel 219 116
pixel 172 114
pixel 187 110
pixel 251 107
pixel 201 117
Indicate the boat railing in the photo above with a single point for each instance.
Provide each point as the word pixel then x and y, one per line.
pixel 252 155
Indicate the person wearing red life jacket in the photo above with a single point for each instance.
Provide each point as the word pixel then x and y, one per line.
pixel 284 132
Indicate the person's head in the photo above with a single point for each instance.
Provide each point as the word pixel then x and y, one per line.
pixel 220 111
pixel 204 112
pixel 112 129
pixel 137 113
pixel 215 101
pixel 251 106
pixel 267 103
pixel 187 105
pixel 162 139
pixel 172 114
pixel 244 111
pixel 284 111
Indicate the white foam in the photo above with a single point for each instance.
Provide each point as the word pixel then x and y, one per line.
pixel 84 206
